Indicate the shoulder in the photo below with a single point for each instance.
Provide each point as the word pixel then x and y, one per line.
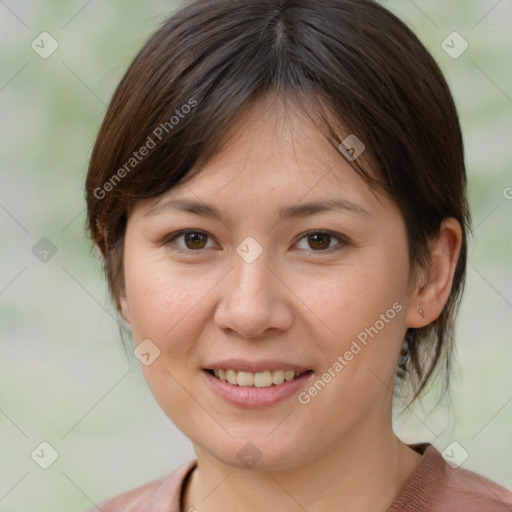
pixel 162 495
pixel 474 492
pixel 436 486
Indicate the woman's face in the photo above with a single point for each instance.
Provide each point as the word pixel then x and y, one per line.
pixel 250 289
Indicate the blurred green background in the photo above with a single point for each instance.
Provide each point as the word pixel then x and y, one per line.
pixel 65 378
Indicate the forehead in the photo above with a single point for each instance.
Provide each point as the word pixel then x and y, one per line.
pixel 273 157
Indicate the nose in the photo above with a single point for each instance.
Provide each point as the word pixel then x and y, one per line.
pixel 254 299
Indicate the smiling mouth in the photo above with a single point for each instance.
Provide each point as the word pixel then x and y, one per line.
pixel 263 379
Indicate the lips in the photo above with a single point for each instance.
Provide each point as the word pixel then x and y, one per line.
pixel 251 396
pixel 262 383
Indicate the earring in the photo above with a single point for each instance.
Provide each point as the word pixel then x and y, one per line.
pixel 421 312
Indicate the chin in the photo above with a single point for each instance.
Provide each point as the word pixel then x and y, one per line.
pixel 258 454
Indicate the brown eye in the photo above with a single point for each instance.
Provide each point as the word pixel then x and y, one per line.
pixel 194 240
pixel 319 241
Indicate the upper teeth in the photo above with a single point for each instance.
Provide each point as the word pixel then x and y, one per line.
pixel 259 380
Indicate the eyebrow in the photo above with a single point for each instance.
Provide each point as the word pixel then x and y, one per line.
pixel 288 212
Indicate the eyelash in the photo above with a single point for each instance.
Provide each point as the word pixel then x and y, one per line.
pixel 341 238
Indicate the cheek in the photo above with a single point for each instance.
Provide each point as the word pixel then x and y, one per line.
pixel 158 296
pixel 363 306
pixel 353 298
pixel 165 306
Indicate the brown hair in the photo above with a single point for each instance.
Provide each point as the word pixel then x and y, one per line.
pixel 351 61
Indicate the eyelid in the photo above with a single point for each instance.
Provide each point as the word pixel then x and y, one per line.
pixel 169 239
pixel 342 239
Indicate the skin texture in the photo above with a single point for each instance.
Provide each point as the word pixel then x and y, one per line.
pixel 303 300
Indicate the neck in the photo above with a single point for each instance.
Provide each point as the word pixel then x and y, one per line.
pixel 364 470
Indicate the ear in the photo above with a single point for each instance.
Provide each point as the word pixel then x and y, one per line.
pixel 431 295
pixel 125 309
pixel 101 239
pixel 102 247
pixel 122 300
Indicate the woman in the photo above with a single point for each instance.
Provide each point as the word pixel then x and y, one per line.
pixel 278 193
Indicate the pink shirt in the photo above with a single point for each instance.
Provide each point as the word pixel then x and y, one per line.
pixel 434 486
